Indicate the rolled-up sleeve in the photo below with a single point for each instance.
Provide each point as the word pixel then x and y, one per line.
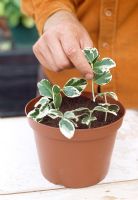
pixel 40 10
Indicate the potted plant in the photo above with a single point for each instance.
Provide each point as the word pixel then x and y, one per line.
pixel 75 133
pixel 22 27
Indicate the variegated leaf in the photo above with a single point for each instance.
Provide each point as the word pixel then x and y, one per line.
pixel 42 101
pixel 57 98
pixel 103 78
pixel 71 91
pixel 53 113
pixel 91 54
pixel 45 88
pixel 67 128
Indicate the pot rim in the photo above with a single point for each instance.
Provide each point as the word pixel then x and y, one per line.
pixel 80 130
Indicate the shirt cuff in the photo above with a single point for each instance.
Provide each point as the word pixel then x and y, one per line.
pixel 46 8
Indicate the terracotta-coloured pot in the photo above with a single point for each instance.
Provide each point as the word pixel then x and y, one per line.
pixel 79 162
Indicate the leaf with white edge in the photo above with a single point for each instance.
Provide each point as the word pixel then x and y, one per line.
pixel 45 88
pixel 57 98
pixel 42 113
pixel 87 120
pixel 103 65
pixel 108 63
pixel 91 54
pixel 71 91
pixel 114 108
pixel 104 109
pixel 113 95
pixel 42 101
pixel 53 113
pixel 33 113
pixel 69 115
pixel 102 79
pixel 78 83
pixel 67 128
pixel 56 89
pixel 81 109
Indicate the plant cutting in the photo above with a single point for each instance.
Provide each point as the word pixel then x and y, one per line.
pixel 75 133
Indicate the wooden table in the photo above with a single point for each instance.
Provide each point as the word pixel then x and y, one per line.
pixel 21 179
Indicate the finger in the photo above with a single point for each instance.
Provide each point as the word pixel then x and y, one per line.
pixel 75 54
pixel 58 54
pixel 85 41
pixel 44 53
pixel 39 56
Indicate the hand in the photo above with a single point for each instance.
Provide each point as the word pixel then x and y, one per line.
pixel 61 44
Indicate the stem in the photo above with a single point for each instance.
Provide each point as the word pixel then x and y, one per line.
pixel 105 103
pixel 93 96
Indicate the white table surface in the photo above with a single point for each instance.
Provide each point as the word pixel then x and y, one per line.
pixel 21 179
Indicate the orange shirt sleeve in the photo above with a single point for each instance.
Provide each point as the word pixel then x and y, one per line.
pixel 40 10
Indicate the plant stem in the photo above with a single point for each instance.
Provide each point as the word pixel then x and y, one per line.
pixel 105 103
pixel 93 96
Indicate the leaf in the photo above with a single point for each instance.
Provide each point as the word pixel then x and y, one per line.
pixel 69 115
pixel 71 91
pixel 57 98
pixel 81 109
pixel 91 54
pixel 45 88
pixel 42 101
pixel 114 108
pixel 67 128
pixel 104 109
pixel 107 63
pixel 87 120
pixel 43 113
pixel 53 113
pixel 103 78
pixel 113 95
pixel 78 83
pixel 33 113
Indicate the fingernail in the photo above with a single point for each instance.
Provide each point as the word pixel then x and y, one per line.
pixel 88 76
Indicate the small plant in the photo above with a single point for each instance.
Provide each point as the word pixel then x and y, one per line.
pixel 51 100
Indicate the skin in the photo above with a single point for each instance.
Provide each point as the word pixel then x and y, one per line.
pixel 61 44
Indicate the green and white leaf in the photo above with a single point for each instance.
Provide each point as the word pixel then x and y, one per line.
pixel 108 63
pixel 91 54
pixel 53 113
pixel 102 79
pixel 82 109
pixel 69 115
pixel 114 108
pixel 104 109
pixel 67 128
pixel 57 98
pixel 78 83
pixel 71 91
pixel 45 88
pixel 111 94
pixel 42 101
pixel 87 120
pixel 33 113
pixel 42 114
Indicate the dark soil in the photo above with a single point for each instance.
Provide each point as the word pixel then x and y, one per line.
pixel 73 103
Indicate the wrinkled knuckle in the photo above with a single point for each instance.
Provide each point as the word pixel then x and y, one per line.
pixel 71 51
